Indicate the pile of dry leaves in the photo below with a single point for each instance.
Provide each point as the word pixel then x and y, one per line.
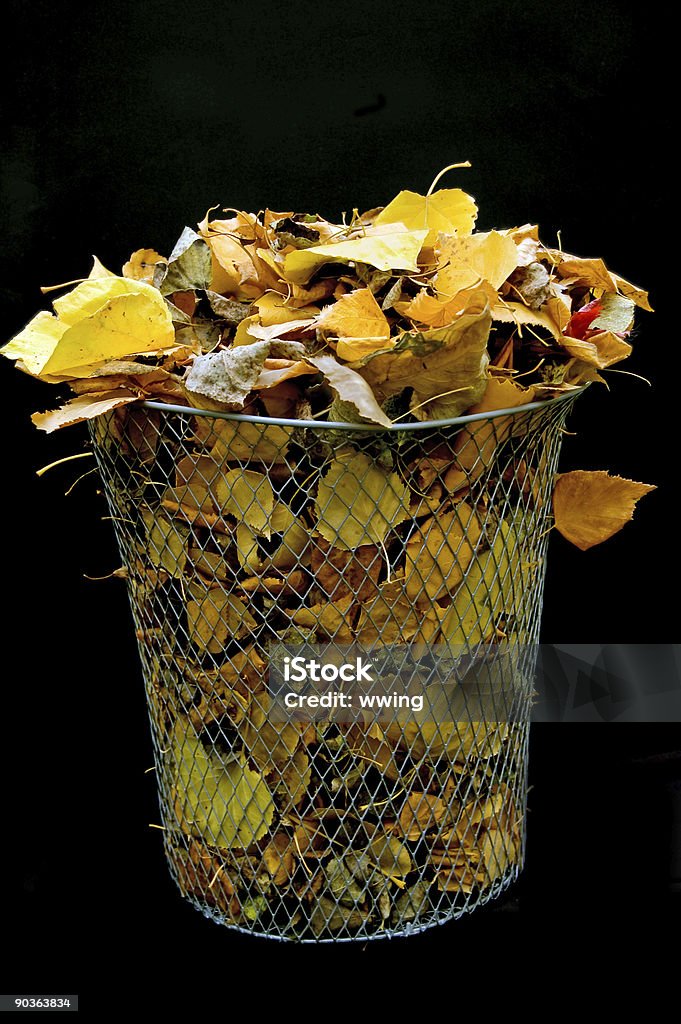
pixel 267 531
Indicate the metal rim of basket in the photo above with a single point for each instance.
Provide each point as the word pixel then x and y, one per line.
pixel 372 427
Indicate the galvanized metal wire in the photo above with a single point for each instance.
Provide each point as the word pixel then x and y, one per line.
pixel 330 831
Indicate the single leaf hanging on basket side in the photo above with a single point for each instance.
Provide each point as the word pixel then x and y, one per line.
pixel 358 502
pixel 589 507
pixel 223 802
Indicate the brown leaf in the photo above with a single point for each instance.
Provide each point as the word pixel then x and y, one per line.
pixel 589 507
pixel 420 813
pixel 340 573
pixel 278 858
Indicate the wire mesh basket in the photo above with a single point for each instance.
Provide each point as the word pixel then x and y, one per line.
pixel 238 533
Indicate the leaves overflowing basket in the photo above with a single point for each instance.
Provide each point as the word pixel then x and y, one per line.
pixel 316 434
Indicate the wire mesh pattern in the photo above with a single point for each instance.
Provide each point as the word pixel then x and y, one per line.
pixel 239 532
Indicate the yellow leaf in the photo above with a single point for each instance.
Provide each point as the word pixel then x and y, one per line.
pixel 350 387
pixel 450 210
pixel 249 442
pixel 99 270
pixel 83 407
pixel 142 264
pixel 436 312
pixel 420 813
pixel 215 618
pixel 222 801
pixel 439 553
pixel 248 496
pixel 33 346
pixel 600 350
pixel 102 318
pixel 232 265
pixel 242 335
pixel 359 322
pixel 444 366
pixel 358 502
pixel 477 442
pixel 589 507
pixel 272 309
pixel 392 247
pixel 595 274
pixel 392 617
pixel 464 262
pixel 520 315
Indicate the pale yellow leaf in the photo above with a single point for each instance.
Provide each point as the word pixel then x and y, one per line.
pixel 450 210
pixel 522 316
pixel 464 262
pixel 589 507
pixel 83 407
pixel 350 387
pixel 392 248
pixel 33 346
pixel 272 309
pixel 436 312
pixel 101 319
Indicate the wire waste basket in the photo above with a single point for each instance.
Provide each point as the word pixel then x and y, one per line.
pixel 242 534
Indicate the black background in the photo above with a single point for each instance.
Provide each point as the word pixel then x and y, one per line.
pixel 124 121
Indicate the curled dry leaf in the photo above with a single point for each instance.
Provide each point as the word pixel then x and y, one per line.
pixel 444 366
